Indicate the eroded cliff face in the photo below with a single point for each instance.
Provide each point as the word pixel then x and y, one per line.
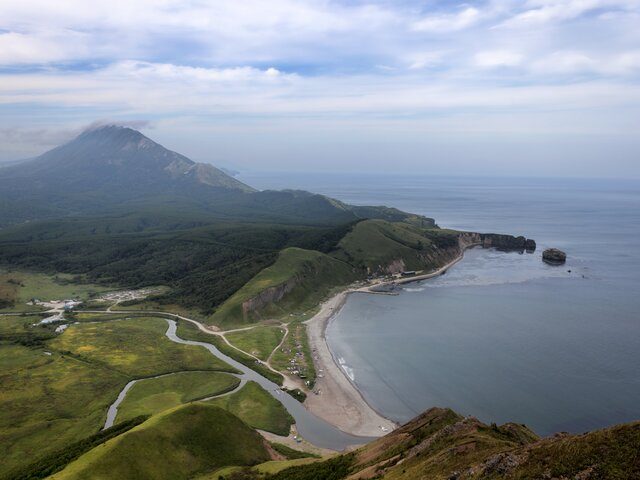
pixel 496 240
pixel 267 296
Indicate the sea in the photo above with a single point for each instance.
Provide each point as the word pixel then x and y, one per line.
pixel 501 336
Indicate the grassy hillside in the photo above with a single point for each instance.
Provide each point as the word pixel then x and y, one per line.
pixel 377 246
pixel 56 388
pixel 257 408
pixel 300 279
pixel 296 282
pixel 442 445
pixel 155 395
pixel 178 444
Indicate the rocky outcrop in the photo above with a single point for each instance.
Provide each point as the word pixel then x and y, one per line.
pixel 496 240
pixel 553 256
pixel 507 242
pixel 267 296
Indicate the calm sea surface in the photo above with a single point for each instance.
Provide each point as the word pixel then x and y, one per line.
pixel 502 336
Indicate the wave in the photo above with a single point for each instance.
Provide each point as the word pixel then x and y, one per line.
pixel 347 369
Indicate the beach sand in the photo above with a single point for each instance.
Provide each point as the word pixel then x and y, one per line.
pixel 339 402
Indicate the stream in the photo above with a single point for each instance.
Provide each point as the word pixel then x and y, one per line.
pixel 313 429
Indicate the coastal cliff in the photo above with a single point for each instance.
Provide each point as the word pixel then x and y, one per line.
pixel 300 279
pixel 498 241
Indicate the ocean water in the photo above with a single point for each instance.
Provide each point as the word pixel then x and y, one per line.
pixel 502 336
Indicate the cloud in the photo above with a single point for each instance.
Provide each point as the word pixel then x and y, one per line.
pixel 450 22
pixel 547 11
pixel 491 65
pixel 498 58
pixel 40 47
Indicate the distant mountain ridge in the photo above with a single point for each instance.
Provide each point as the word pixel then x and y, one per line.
pixel 114 169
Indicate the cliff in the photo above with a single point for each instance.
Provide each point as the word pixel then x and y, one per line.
pixel 498 241
pixel 300 279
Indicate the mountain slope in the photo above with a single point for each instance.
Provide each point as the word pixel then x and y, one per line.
pixel 114 170
pixel 106 167
pixel 442 445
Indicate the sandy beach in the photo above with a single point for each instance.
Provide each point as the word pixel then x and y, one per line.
pixel 339 402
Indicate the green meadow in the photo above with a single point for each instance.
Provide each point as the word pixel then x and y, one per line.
pixel 56 388
pixel 259 341
pixel 155 395
pixel 257 408
pixel 18 287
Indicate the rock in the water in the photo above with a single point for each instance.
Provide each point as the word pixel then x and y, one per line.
pixel 554 256
pixel 530 245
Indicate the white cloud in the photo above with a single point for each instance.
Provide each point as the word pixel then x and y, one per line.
pixel 498 58
pixel 447 22
pixel 421 60
pixel 546 11
pixel 41 47
pixel 566 62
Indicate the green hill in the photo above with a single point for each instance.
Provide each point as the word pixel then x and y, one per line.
pixel 378 246
pixel 298 280
pixel 177 444
pixel 257 407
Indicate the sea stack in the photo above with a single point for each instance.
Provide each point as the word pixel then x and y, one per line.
pixel 553 256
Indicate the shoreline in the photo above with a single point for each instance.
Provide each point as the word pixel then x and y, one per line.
pixel 339 401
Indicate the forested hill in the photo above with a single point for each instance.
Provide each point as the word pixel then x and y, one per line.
pixel 115 207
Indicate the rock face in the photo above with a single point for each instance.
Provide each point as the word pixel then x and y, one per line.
pixel 530 245
pixel 267 296
pixel 498 241
pixel 553 256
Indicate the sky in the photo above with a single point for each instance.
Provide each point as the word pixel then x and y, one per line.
pixel 530 87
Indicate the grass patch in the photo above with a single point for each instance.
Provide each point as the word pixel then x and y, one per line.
pixel 18 287
pixel 276 466
pixel 189 331
pixel 136 347
pixel 154 395
pixel 178 444
pixel 292 453
pixel 257 408
pixel 372 245
pixel 57 460
pixel 335 468
pixel 259 341
pixel 48 401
